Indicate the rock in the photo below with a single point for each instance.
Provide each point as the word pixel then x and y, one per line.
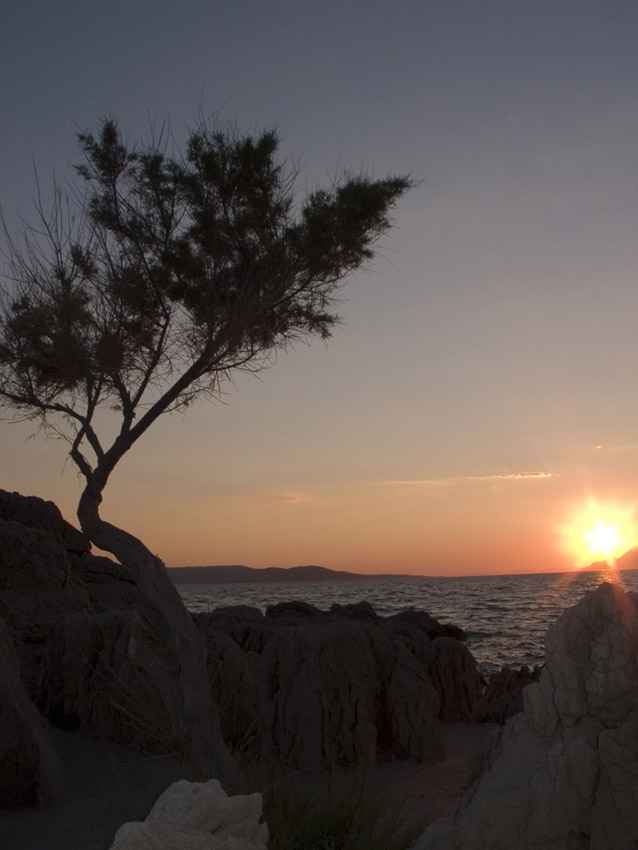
pixel 231 673
pixel 45 516
pixel 294 608
pixel 357 610
pixel 564 775
pixel 37 587
pixel 456 679
pixel 30 774
pixel 446 660
pixel 503 696
pixel 197 816
pixel 312 688
pixel 426 623
pixel 103 649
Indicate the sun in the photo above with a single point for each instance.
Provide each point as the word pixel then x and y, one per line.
pixel 600 531
pixel 605 540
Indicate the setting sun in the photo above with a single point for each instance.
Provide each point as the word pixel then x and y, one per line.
pixel 601 530
pixel 605 540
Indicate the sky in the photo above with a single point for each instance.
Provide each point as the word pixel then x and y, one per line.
pixel 476 410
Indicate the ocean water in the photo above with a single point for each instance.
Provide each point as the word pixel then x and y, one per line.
pixel 505 617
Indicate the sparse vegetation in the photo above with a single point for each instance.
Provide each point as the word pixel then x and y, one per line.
pixel 306 820
pixel 329 811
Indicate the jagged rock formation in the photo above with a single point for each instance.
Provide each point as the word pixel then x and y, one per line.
pixel 311 688
pixel 37 584
pixel 564 775
pixel 29 770
pixel 197 816
pixel 96 652
pixel 503 696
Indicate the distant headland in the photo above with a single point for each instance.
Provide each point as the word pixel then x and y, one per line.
pixel 239 573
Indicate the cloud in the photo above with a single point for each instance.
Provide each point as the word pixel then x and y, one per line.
pixel 292 497
pixel 462 479
pixel 519 475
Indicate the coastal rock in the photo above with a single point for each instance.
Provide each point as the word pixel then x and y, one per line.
pixel 30 774
pixel 45 516
pixel 37 587
pixel 233 678
pixel 197 816
pixel 565 772
pixel 503 696
pixel 313 688
pixel 456 679
pixel 446 660
pixel 101 648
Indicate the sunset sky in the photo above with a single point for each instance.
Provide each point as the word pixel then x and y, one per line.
pixel 482 390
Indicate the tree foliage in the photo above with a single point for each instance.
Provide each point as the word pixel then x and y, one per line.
pixel 163 273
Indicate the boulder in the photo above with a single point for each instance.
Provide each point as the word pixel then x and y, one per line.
pixel 312 688
pixel 447 661
pixel 30 774
pixel 45 516
pixel 37 587
pixel 197 816
pixel 233 675
pixel 104 649
pixel 503 696
pixel 564 774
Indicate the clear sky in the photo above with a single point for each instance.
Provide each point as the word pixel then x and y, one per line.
pixel 483 385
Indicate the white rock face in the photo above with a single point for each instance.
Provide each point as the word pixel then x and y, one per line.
pixel 565 776
pixel 197 816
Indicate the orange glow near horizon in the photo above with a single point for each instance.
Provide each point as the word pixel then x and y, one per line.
pixel 599 531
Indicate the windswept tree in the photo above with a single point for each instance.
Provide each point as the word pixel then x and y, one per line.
pixel 159 276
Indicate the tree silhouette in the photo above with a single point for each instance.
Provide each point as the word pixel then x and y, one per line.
pixel 159 276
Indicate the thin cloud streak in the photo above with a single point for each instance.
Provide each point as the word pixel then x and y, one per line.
pixel 293 497
pixel 463 479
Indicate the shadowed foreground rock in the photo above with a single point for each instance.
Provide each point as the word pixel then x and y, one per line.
pixel 565 773
pixel 503 696
pixel 96 653
pixel 30 773
pixel 311 689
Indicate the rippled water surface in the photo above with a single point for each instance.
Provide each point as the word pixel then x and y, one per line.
pixel 506 617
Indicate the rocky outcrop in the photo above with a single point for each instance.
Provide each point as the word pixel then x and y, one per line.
pixel 564 775
pixel 30 774
pixel 34 512
pixel 449 664
pixel 503 695
pixel 311 688
pixel 197 816
pixel 98 654
pixel 37 587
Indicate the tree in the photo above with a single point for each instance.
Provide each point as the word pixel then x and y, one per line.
pixel 149 286
pixel 159 277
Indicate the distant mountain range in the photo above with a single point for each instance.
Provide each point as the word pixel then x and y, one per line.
pixel 238 573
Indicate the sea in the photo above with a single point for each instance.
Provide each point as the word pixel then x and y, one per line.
pixel 505 616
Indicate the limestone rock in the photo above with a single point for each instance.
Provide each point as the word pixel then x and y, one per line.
pixel 197 816
pixel 312 688
pixel 37 587
pixel 102 648
pixel 456 679
pixel 446 660
pixel 30 774
pixel 503 696
pixel 45 516
pixel 564 775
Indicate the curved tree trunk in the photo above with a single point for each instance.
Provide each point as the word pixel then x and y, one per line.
pixel 184 688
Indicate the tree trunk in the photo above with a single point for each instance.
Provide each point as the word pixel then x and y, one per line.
pixel 184 687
